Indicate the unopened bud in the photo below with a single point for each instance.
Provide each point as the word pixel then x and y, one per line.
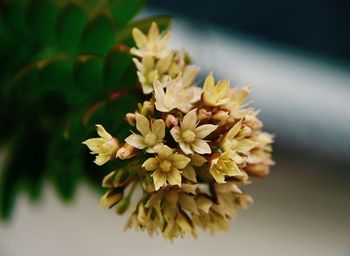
pixel 221 117
pixel 146 108
pixel 123 205
pixel 204 114
pixel 126 151
pixel 171 121
pixel 131 118
pixel 111 198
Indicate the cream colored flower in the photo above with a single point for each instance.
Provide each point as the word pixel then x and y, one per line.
pixel 166 167
pixel 215 94
pixel 237 98
pixel 226 165
pixel 104 147
pixel 259 158
pixel 152 134
pixel 150 70
pixel 177 96
pixel 179 65
pixel 236 140
pixel 190 137
pixel 189 171
pixel 154 44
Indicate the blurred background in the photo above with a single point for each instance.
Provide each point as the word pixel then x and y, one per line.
pixel 295 56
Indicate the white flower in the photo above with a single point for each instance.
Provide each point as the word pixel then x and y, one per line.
pixel 150 70
pixel 215 94
pixel 190 137
pixel 166 167
pixel 104 147
pixel 154 44
pixel 176 95
pixel 152 134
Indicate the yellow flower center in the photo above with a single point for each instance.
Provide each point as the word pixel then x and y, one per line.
pixel 150 139
pixel 189 136
pixel 165 165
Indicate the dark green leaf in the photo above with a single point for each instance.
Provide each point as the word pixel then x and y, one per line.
pixel 13 14
pixel 98 35
pixel 88 75
pixel 70 26
pixel 117 63
pixel 124 10
pixel 65 165
pixel 41 16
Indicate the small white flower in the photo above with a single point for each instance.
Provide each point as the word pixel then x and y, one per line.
pixel 190 137
pixel 152 134
pixel 176 96
pixel 154 44
pixel 104 147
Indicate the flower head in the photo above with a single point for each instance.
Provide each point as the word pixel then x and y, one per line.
pixel 153 44
pixel 190 137
pixel 176 96
pixel 226 165
pixel 194 150
pixel 104 147
pixel 215 94
pixel 152 134
pixel 166 167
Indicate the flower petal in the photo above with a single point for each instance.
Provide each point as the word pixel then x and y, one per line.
pixel 155 148
pixel 245 145
pixel 204 130
pixel 176 133
pixel 186 148
pixel 165 152
pixel 140 38
pixel 137 141
pixel 234 130
pixel 179 161
pixel 94 144
pixel 102 132
pixel 159 179
pixel 158 128
pixel 197 160
pixel 218 176
pixel 190 120
pixel 189 173
pixel 153 32
pixel 209 82
pixel 201 147
pixel 101 159
pixel 142 124
pixel 174 177
pixel 188 203
pixel 150 164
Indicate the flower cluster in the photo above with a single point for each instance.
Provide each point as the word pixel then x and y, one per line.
pixel 191 150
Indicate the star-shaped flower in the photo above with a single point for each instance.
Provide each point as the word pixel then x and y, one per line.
pixel 152 134
pixel 154 44
pixel 166 167
pixel 190 137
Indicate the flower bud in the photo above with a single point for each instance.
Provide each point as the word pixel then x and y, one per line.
pixel 221 117
pixel 131 118
pixel 111 198
pixel 123 205
pixel 171 121
pixel 204 114
pixel 126 152
pixel 146 108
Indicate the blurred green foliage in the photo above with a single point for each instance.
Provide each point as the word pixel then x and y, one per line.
pixel 65 66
